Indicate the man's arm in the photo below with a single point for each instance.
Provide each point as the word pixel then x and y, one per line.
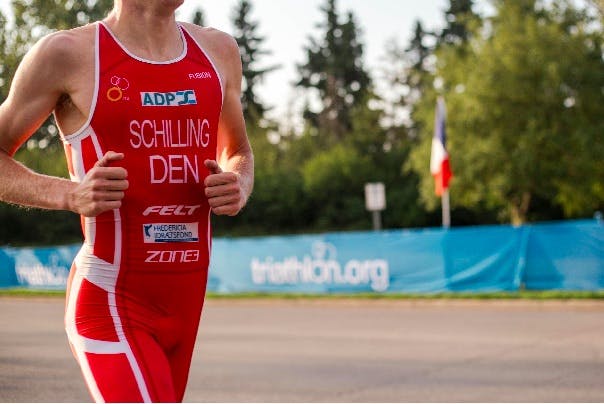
pixel 38 84
pixel 232 175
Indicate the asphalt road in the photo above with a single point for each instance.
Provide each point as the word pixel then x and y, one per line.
pixel 343 351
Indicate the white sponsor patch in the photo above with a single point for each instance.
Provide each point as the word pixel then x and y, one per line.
pixel 171 232
pixel 169 99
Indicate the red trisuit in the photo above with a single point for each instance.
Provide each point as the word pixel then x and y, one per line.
pixel 137 285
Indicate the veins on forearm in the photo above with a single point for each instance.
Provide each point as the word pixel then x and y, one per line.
pixel 241 163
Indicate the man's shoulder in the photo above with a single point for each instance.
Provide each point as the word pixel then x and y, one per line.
pixel 207 33
pixel 219 43
pixel 66 46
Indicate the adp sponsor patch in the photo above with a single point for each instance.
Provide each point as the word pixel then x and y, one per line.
pixel 169 99
pixel 171 233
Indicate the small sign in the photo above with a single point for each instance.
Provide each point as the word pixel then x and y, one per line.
pixel 375 196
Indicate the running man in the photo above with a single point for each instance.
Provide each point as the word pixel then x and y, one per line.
pixel 150 116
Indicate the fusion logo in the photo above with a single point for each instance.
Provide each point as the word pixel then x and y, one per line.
pixel 171 233
pixel 200 75
pixel 169 99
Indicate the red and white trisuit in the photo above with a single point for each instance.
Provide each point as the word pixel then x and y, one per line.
pixel 137 285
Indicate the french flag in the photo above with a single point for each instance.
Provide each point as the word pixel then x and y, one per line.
pixel 439 159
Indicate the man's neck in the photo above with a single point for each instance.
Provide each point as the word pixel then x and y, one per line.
pixel 146 30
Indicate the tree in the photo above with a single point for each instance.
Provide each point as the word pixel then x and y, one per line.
pixel 199 17
pixel 3 51
pixel 250 45
pixel 598 5
pixel 524 114
pixel 334 68
pixel 42 16
pixel 387 148
pixel 420 61
pixel 418 77
pixel 458 17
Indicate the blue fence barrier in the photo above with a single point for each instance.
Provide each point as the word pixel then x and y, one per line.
pixel 36 268
pixel 565 256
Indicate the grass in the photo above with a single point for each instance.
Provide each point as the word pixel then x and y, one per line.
pixel 18 292
pixel 527 295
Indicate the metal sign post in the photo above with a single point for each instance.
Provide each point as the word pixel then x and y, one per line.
pixel 446 209
pixel 375 202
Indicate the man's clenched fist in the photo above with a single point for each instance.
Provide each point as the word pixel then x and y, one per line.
pixel 102 188
pixel 223 190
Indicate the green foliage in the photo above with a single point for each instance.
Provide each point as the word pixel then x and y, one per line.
pixel 278 203
pixel 36 18
pixel 334 181
pixel 9 59
pixel 523 103
pixel 417 77
pixel 58 14
pixel 315 181
pixel 3 51
pixel 250 46
pixel 334 69
pixel 459 17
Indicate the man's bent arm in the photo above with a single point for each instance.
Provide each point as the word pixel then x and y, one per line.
pixel 33 95
pixel 231 178
pixel 38 84
pixel 21 186
pixel 234 150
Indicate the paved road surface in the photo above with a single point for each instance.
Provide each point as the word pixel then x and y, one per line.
pixel 343 351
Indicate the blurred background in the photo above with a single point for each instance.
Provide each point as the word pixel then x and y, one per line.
pixel 523 83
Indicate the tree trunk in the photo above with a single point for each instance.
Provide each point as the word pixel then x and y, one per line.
pixel 519 209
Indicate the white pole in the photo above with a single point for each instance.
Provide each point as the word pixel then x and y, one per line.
pixel 446 209
pixel 377 220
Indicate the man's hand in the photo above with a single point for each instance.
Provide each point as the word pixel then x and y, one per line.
pixel 223 190
pixel 102 188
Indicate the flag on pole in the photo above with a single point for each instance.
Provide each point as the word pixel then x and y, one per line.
pixel 439 159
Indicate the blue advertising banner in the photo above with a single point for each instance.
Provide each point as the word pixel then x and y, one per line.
pixel 8 276
pixel 566 255
pixel 38 268
pixel 478 259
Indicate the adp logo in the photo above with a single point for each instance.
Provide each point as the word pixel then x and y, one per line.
pixel 169 99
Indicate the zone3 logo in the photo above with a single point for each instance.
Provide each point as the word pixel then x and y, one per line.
pixel 169 99
pixel 181 256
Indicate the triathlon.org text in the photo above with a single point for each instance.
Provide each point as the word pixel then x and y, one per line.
pixel 292 271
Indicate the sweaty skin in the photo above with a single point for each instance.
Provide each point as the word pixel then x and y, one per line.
pixel 150 115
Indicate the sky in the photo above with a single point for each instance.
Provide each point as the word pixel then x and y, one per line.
pixel 287 25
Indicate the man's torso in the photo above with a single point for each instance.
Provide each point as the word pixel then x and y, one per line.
pixel 163 116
